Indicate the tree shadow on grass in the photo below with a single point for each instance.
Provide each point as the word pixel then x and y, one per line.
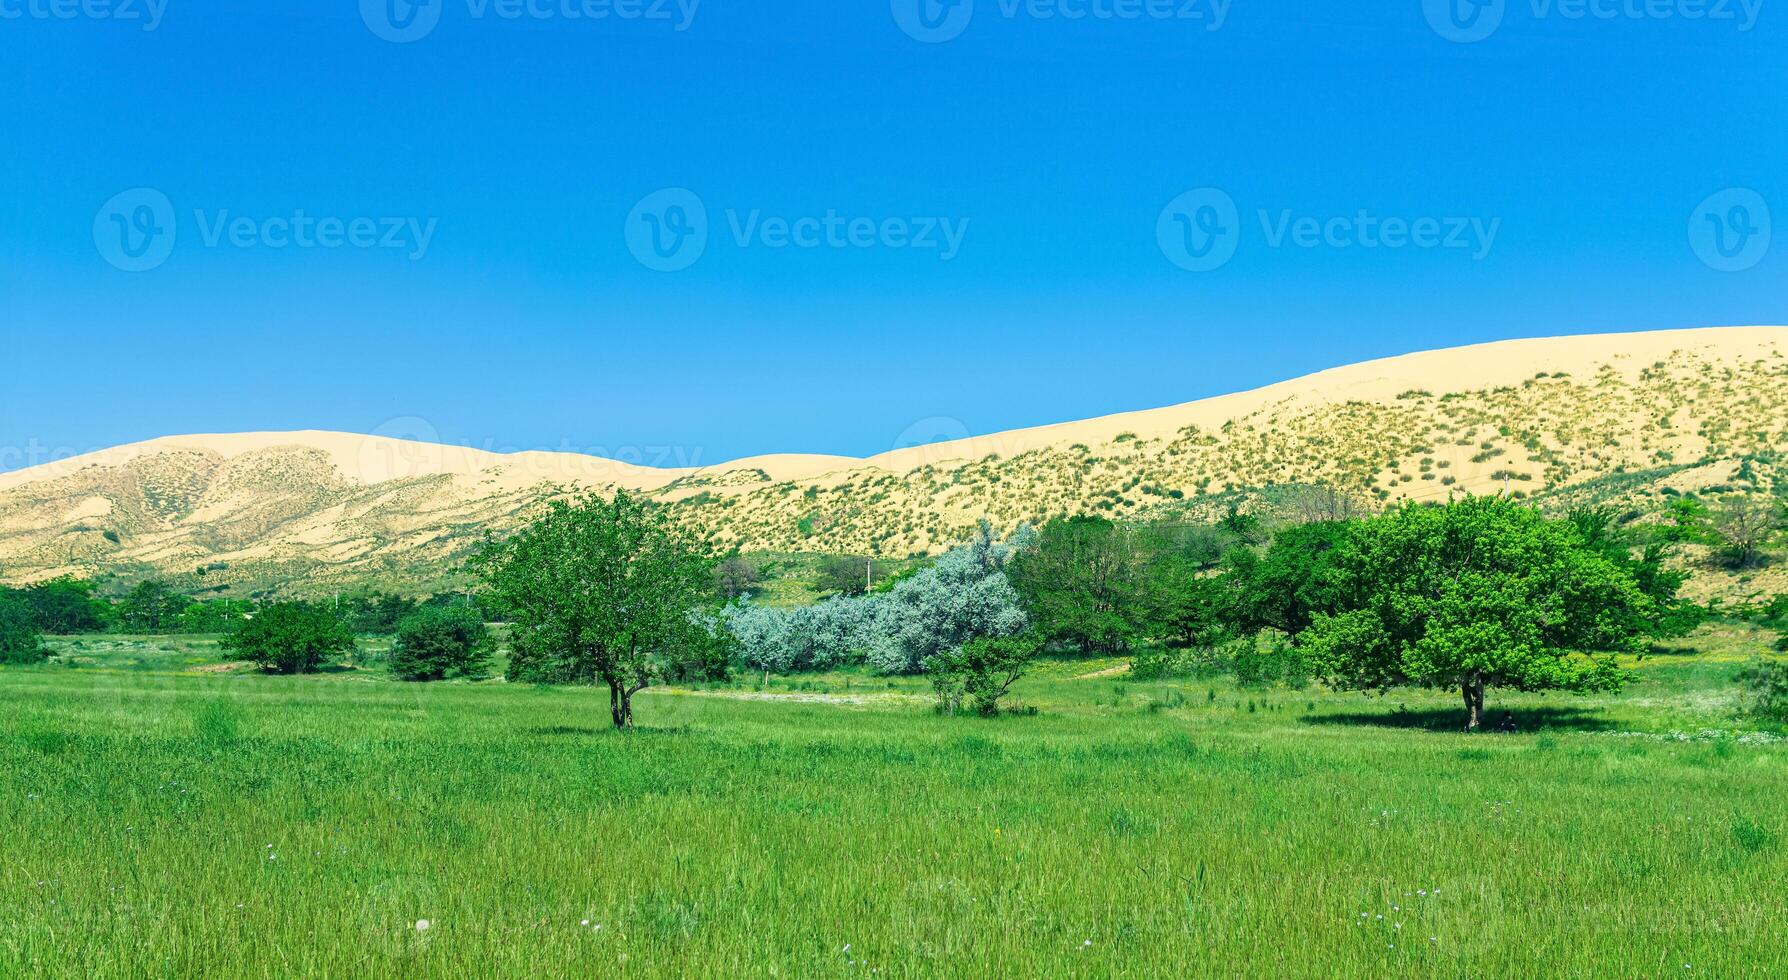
pixel 587 731
pixel 1513 720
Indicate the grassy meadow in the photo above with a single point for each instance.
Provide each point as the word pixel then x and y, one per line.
pixel 168 815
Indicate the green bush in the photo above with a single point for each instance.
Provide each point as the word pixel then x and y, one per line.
pixel 1766 689
pixel 291 638
pixel 439 642
pixel 1268 658
pixel 1158 661
pixel 981 671
pixel 20 642
pixel 1264 659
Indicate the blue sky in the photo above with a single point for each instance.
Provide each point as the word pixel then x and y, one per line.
pixel 1570 157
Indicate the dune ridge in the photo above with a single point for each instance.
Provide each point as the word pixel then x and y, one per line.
pixel 317 509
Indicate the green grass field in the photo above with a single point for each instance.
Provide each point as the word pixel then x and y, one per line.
pixel 166 818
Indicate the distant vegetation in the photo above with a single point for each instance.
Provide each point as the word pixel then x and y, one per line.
pixel 1473 594
pixel 1625 432
pixel 291 638
pixel 439 642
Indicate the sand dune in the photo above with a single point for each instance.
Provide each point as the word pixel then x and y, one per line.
pixel 366 459
pixel 308 508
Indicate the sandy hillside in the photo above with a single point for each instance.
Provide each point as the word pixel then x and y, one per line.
pixel 316 509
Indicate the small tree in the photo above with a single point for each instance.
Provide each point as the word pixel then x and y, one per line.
pixel 597 590
pixel 437 642
pixel 292 638
pixel 735 577
pixel 1081 584
pixel 374 613
pixel 1474 594
pixel 1744 525
pixel 152 606
pixel 1766 689
pixel 66 605
pixel 981 671
pixel 1296 578
pixel 20 641
pixel 1186 607
pixel 845 575
pixel 960 597
pixel 215 616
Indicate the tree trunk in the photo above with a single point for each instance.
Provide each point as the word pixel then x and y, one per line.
pixel 1473 692
pixel 620 706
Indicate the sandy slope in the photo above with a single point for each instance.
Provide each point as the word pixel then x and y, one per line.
pixel 371 459
pixel 316 511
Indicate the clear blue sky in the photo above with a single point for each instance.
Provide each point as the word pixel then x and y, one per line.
pixel 524 143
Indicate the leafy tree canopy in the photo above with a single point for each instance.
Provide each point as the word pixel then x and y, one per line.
pixel 437 642
pixel 1477 593
pixel 292 638
pixel 597 591
pixel 1081 584
pixel 20 641
pixel 67 605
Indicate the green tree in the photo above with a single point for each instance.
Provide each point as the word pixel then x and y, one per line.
pixel 597 592
pixel 1243 527
pixel 215 615
pixel 67 605
pixel 437 642
pixel 1080 582
pixel 981 671
pixel 291 638
pixel 1688 521
pixel 20 640
pixel 1475 594
pixel 1294 581
pixel 1597 527
pixel 845 575
pixel 735 577
pixel 374 613
pixel 1186 606
pixel 152 606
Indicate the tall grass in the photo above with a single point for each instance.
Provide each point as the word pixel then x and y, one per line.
pixel 168 823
